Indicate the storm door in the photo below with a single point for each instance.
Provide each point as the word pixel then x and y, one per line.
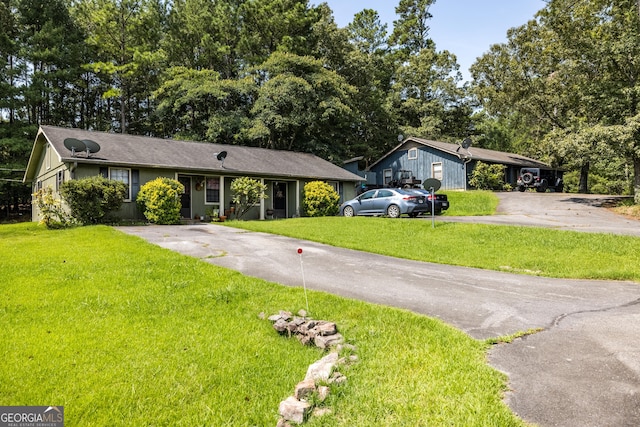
pixel 185 198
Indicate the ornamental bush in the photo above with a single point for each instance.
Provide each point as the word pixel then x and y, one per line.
pixel 92 200
pixel 52 214
pixel 487 177
pixel 320 199
pixel 159 200
pixel 246 193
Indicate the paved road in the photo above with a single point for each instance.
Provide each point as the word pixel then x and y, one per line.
pixel 582 370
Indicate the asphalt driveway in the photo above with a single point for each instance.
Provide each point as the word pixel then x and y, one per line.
pixel 582 370
pixel 561 211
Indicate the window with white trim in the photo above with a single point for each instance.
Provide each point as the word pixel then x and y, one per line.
pixel 436 170
pixel 412 154
pixel 122 175
pixel 47 156
pixel 59 180
pixel 212 190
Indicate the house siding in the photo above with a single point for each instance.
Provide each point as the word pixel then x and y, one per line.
pixel 48 167
pixel 453 168
pixel 150 158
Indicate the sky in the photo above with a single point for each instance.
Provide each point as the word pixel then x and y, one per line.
pixel 466 28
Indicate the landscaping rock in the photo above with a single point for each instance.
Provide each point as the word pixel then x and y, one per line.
pixel 326 341
pixel 323 334
pixel 326 328
pixel 305 389
pixel 323 392
pixel 280 325
pixel 337 378
pixel 321 370
pixel 294 410
pixel 305 339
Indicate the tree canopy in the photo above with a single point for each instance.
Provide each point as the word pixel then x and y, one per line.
pixel 571 77
pixel 281 74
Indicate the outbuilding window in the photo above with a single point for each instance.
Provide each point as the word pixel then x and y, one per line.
pixel 436 170
pixel 413 154
pixel 387 176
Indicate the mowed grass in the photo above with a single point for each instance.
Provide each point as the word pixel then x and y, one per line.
pixel 124 333
pixel 471 203
pixel 526 250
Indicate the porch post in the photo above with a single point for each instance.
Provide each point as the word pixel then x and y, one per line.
pixel 298 212
pixel 221 195
pixel 262 202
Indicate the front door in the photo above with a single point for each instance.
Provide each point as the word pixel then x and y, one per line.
pixel 279 199
pixel 185 198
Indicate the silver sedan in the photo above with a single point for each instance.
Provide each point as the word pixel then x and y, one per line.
pixel 392 202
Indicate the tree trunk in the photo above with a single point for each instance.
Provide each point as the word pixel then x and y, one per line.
pixel 583 185
pixel 636 179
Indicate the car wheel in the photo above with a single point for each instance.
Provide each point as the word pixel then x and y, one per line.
pixel 543 186
pixel 413 214
pixel 527 177
pixel 393 211
pixel 521 188
pixel 348 211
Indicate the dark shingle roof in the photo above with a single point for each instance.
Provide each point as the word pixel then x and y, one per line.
pixel 473 153
pixel 140 151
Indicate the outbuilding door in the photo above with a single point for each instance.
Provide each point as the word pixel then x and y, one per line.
pixel 185 198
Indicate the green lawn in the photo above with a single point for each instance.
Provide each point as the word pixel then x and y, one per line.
pixel 124 333
pixel 526 250
pixel 471 203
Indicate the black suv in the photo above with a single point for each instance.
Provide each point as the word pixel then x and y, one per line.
pixel 540 179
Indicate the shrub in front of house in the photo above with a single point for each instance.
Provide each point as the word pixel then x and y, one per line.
pixel 487 177
pixel 52 214
pixel 246 193
pixel 320 199
pixel 92 200
pixel 159 200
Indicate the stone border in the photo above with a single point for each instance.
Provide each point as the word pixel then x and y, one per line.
pixel 321 374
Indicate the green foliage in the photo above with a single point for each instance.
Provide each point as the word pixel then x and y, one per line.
pixel 159 200
pixel 487 177
pixel 16 141
pixel 550 253
pixel 247 193
pixel 301 106
pixel 155 329
pixel 320 199
pixel 52 214
pixel 565 76
pixel 91 200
